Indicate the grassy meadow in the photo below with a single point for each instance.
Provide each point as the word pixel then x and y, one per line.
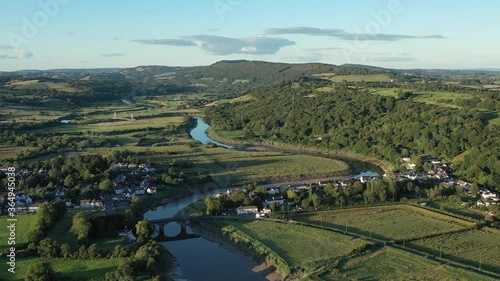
pixel 61 234
pixel 24 224
pixel 354 78
pixel 303 248
pixel 391 264
pixel 394 222
pixel 70 269
pixel 469 247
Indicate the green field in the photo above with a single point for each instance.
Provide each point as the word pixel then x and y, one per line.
pixel 301 247
pixel 391 264
pixel 437 97
pixel 469 247
pixel 24 224
pixel 117 125
pixel 394 222
pixel 354 78
pixel 237 166
pixel 71 269
pixel 385 92
pixel 7 151
pixel 61 233
pixel 36 84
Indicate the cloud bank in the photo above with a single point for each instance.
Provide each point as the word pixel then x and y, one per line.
pixel 113 55
pixel 342 34
pixel 219 45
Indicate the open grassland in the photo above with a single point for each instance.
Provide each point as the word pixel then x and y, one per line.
pixel 237 166
pixel 36 84
pixel 8 151
pixel 24 224
pixel 385 92
pixel 28 114
pixel 395 222
pixel 441 98
pixel 391 264
pixel 61 233
pixel 359 78
pixel 116 125
pixel 69 269
pixel 469 247
pixel 301 247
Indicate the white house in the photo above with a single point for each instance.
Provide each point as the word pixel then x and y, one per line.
pixel 91 204
pixel 280 200
pixel 247 210
pixel 271 191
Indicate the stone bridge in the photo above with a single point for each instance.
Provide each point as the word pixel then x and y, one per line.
pixel 161 236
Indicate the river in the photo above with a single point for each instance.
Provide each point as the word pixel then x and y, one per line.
pixel 204 260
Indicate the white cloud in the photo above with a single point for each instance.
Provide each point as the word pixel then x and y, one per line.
pixel 23 54
pixel 219 45
pixel 113 55
pixel 342 34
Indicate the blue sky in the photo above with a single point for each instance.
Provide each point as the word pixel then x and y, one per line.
pixel 47 34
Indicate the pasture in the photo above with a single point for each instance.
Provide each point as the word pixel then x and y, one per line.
pixel 36 84
pixel 355 78
pixel 392 264
pixel 301 247
pixel 10 151
pixel 470 247
pixel 24 224
pixel 393 222
pixel 61 234
pixel 70 269
pixel 237 166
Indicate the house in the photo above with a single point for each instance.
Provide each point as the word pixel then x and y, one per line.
pixel 133 166
pixel 91 204
pixel 411 166
pixel 247 210
pixel 323 183
pixel 365 179
pixel 488 195
pixel 119 190
pixel 279 200
pixel 271 191
pixel 128 235
pixel 151 190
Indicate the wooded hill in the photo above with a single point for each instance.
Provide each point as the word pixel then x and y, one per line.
pixel 354 120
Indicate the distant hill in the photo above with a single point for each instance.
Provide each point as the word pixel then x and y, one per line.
pixel 230 77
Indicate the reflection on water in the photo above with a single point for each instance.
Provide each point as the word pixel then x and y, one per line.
pixel 200 259
pixel 199 133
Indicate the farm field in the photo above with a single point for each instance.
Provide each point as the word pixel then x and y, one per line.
pixel 392 264
pixel 117 125
pixel 354 78
pixel 8 151
pixel 301 247
pixel 71 269
pixel 24 224
pixel 237 166
pixel 469 247
pixel 61 234
pixel 387 222
pixel 24 113
pixel 36 84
